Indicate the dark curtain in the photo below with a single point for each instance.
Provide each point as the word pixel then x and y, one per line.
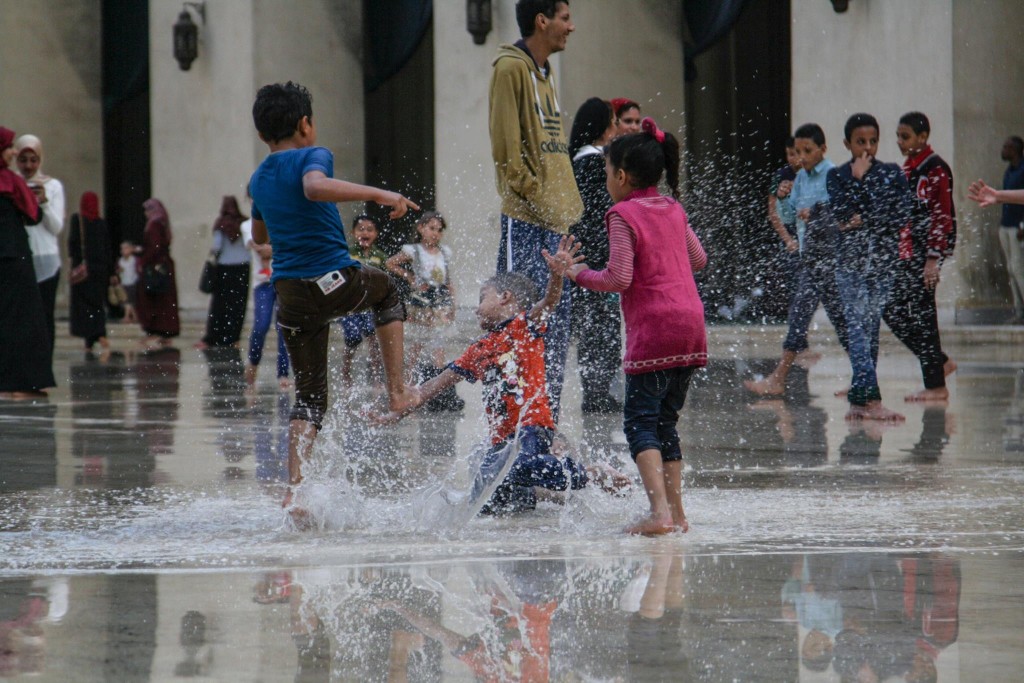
pixel 394 29
pixel 126 138
pixel 707 22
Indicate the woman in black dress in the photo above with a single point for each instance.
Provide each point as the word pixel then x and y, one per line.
pixel 25 364
pixel 595 315
pixel 156 295
pixel 89 240
pixel 231 279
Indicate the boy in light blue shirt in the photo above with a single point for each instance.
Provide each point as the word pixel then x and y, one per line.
pixel 809 200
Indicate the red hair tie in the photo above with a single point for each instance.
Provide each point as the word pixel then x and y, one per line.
pixel 651 128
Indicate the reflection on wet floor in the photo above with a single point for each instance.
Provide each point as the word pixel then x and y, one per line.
pixel 141 538
pixel 660 615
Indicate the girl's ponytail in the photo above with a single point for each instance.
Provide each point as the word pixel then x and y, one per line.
pixel 646 155
pixel 670 148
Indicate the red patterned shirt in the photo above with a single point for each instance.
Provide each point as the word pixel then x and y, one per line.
pixel 510 363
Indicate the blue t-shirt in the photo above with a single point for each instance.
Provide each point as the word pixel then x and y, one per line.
pixel 308 237
pixel 1013 179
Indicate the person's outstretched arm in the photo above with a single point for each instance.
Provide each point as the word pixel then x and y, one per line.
pixel 985 195
pixel 428 390
pixel 618 274
pixel 319 188
pixel 559 263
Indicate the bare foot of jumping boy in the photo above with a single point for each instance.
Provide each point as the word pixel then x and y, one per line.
pixel 301 518
pixel 874 410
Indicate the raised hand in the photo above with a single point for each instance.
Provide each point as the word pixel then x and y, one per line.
pixel 565 258
pixel 861 165
pixel 980 192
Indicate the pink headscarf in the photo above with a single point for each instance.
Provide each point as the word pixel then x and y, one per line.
pixel 13 185
pixel 229 222
pixel 89 206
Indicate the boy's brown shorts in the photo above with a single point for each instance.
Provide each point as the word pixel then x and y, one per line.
pixel 305 314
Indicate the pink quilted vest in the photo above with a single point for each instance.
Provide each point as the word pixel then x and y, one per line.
pixel 663 313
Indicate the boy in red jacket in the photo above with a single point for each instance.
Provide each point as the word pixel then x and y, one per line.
pixel 924 243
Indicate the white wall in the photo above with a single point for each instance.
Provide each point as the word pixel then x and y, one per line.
pixel 989 91
pixel 201 128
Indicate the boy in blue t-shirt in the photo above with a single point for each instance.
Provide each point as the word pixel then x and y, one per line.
pixel 316 279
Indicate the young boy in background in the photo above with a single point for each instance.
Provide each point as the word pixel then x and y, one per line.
pixel 359 326
pixel 924 244
pixel 870 203
pixel 809 200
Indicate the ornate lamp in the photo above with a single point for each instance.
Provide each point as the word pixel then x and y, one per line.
pixel 186 34
pixel 478 19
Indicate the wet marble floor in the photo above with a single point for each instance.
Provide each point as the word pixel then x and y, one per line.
pixel 141 537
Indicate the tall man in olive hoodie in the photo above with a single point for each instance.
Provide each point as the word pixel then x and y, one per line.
pixel 539 197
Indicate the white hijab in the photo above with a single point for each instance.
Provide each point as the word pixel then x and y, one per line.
pixel 36 145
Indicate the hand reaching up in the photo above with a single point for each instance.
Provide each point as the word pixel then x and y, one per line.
pixel 565 258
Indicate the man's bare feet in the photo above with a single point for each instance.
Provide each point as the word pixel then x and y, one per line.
pixel 653 526
pixel 284 383
pixel 949 367
pixel 250 375
pixel 682 525
pixel 937 395
pixel 874 410
pixel 769 386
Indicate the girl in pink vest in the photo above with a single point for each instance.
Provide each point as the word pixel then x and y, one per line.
pixel 654 253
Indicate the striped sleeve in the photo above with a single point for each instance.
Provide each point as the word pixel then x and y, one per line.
pixel 619 274
pixel 698 257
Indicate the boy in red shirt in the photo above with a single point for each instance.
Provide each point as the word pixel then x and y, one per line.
pixel 924 244
pixel 509 360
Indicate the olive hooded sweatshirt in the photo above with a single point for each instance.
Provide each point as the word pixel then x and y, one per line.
pixel 528 142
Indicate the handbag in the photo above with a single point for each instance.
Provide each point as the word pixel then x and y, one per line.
pixel 80 273
pixel 209 274
pixel 155 279
pixel 116 295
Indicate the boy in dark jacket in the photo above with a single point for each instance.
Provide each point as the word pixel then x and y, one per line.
pixel 870 203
